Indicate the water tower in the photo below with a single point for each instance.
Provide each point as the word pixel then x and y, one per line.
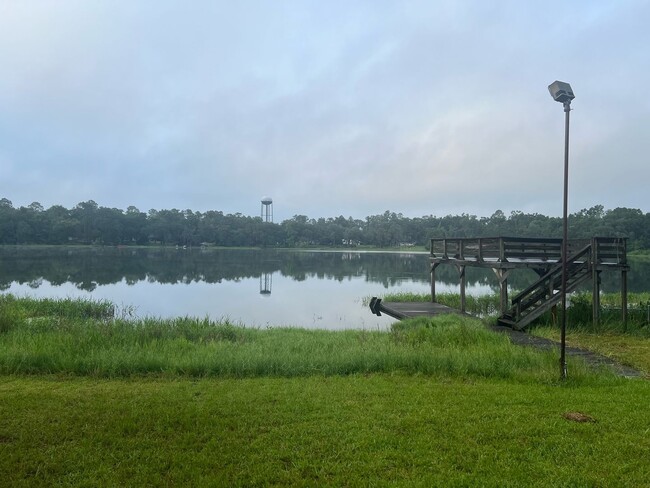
pixel 267 209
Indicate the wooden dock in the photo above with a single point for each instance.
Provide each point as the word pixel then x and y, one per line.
pixel 585 260
pixel 405 310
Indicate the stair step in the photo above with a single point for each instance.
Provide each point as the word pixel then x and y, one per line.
pixel 534 301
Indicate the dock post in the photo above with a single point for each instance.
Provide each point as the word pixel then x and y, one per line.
pixel 624 298
pixel 502 276
pixel 433 282
pixel 623 261
pixel 461 272
pixel 551 291
pixel 595 278
pixel 596 297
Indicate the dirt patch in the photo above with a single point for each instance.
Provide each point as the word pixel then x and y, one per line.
pixel 578 417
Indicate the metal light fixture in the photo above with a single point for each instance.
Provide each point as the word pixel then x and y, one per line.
pixel 562 92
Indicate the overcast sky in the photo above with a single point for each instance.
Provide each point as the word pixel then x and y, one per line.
pixel 329 107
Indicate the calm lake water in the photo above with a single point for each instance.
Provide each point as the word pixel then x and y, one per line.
pixel 259 288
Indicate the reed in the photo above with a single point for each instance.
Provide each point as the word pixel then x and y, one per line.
pixel 480 306
pixel 580 315
pixel 69 308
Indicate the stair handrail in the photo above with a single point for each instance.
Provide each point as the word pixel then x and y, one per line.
pixel 545 278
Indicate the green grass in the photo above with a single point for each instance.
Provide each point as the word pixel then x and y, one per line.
pixel 579 314
pixel 90 400
pixel 67 343
pixel 70 308
pixel 628 343
pixel 482 306
pixel 629 349
pixel 639 254
pixel 376 430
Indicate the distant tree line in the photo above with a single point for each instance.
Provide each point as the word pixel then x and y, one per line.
pixel 88 223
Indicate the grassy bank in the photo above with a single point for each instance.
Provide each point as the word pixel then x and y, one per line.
pixel 579 314
pixel 627 343
pixel 66 341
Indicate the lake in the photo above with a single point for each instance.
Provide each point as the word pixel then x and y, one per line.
pixel 260 288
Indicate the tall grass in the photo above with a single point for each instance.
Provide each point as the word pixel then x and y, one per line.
pixel 480 306
pixel 447 345
pixel 579 313
pixel 70 308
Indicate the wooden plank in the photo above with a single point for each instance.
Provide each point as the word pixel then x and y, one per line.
pixel 548 256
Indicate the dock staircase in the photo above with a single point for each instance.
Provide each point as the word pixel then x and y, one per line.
pixel 586 259
pixel 546 292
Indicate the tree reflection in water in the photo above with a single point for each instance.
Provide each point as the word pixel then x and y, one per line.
pixel 357 274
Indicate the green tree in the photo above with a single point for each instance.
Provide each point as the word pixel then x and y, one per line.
pixel 7 222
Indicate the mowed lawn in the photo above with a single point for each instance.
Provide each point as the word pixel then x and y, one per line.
pixel 355 430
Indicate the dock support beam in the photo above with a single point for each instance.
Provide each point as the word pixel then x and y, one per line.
pixel 624 283
pixel 595 281
pixel 595 296
pixel 461 275
pixel 502 276
pixel 433 281
pixel 624 298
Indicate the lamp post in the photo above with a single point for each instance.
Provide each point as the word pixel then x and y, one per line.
pixel 562 92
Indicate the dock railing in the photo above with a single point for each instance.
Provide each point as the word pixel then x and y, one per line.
pixel 607 250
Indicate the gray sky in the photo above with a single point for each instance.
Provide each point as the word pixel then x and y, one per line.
pixel 330 107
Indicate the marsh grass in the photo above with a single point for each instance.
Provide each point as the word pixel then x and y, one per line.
pixel 627 343
pixel 68 308
pixel 480 306
pixel 74 343
pixel 580 318
pixel 579 311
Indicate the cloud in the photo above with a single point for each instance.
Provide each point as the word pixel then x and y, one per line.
pixel 330 108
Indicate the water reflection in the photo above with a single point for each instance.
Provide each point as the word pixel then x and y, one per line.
pixel 266 281
pixel 88 268
pixel 306 288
